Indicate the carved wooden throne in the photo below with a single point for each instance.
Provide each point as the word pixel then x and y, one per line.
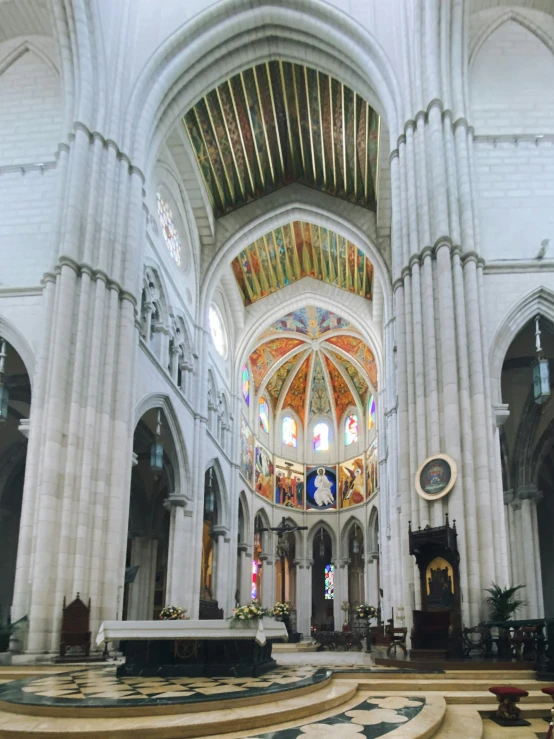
pixel 75 626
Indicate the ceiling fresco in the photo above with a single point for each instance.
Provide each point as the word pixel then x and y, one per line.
pixel 309 364
pixel 298 250
pixel 311 322
pixel 278 123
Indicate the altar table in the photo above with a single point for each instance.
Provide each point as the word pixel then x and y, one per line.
pixel 195 648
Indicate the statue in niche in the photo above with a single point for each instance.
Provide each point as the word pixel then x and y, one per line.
pixel 439 579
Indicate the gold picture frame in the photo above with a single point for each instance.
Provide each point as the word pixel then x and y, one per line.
pixel 436 476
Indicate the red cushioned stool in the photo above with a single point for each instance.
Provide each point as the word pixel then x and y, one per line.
pixel 507 713
pixel 550 692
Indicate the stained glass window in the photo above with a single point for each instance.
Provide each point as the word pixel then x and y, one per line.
pixel 169 231
pixel 321 437
pixel 254 591
pixel 370 413
pixel 290 431
pixel 351 429
pixel 218 331
pixel 329 582
pixel 264 415
pixel 246 385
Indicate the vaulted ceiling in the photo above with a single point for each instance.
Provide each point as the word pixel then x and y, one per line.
pixel 298 250
pixel 313 362
pixel 278 123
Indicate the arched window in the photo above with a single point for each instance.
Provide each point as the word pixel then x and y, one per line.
pixel 370 413
pixel 171 237
pixel 321 437
pixel 329 582
pixel 264 415
pixel 246 385
pixel 350 429
pixel 217 328
pixel 290 431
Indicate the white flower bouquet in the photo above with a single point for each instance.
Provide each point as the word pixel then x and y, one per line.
pixel 173 613
pixel 280 610
pixel 365 611
pixel 251 612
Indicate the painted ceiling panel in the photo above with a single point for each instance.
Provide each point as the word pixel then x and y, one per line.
pixel 360 351
pixel 278 123
pixel 320 403
pixel 341 392
pixel 279 378
pixel 311 322
pixel 359 383
pixel 265 356
pixel 296 395
pixel 299 250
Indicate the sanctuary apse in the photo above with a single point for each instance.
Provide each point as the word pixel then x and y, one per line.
pixel 266 259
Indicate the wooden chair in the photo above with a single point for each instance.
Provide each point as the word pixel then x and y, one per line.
pixel 75 626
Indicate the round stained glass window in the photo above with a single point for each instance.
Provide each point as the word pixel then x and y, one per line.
pixel 217 329
pixel 171 237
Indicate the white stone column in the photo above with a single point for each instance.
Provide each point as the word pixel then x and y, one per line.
pixel 179 585
pixel 268 581
pixel 245 573
pixel 141 592
pixel 529 496
pixel 222 551
pixel 373 596
pixel 304 596
pixel 341 590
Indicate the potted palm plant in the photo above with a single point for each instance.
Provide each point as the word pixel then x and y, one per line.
pixel 503 604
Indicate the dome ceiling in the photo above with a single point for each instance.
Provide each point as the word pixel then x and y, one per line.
pixel 313 362
pixel 278 123
pixel 298 250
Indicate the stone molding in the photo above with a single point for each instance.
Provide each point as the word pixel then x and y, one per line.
pixel 427 250
pixel 81 268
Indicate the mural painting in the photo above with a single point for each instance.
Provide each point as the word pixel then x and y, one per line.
pixel 246 451
pixel 351 482
pixel 296 395
pixel 360 351
pixel 321 488
pixel 265 356
pixel 372 469
pixel 264 473
pixel 289 483
pixel 341 392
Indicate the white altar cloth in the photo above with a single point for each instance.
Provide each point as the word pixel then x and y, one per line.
pixel 259 629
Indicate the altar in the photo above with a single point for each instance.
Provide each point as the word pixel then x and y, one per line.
pixel 194 648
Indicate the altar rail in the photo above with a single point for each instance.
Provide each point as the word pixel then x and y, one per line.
pixel 529 640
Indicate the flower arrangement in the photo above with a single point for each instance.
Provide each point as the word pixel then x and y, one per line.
pixel 280 610
pixel 173 613
pixel 250 612
pixel 365 611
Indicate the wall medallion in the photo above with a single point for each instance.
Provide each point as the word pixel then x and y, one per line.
pixel 435 478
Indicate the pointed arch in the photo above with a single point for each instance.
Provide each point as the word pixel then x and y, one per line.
pixel 264 518
pixel 539 301
pixel 181 466
pixel 345 533
pixel 26 47
pixel 373 532
pixel 509 15
pixel 222 494
pixel 312 532
pixel 14 337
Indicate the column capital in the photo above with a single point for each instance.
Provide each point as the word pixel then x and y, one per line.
pixel 529 492
pixel 244 548
pixel 176 500
pixel 340 562
pixel 265 558
pixel 303 563
pixel 501 412
pixel 219 530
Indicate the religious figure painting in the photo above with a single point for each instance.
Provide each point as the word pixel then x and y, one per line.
pixel 289 483
pixel 264 473
pixel 246 451
pixel 435 476
pixel 321 488
pixel 372 469
pixel 439 584
pixel 351 482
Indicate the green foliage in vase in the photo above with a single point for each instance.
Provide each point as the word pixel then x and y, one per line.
pixel 503 601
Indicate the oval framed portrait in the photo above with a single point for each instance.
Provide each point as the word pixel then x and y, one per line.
pixel 436 476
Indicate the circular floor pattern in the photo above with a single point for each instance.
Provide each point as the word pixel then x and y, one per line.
pixel 101 688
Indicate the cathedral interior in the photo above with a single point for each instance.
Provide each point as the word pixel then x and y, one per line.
pixel 277 328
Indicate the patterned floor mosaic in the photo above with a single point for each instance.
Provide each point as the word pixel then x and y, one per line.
pixel 101 687
pixel 373 718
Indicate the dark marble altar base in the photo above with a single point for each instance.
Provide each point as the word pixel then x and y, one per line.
pixel 196 658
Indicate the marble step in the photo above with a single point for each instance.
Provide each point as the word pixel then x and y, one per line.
pixel 215 722
pixel 460 721
pixel 466 697
pixel 426 683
